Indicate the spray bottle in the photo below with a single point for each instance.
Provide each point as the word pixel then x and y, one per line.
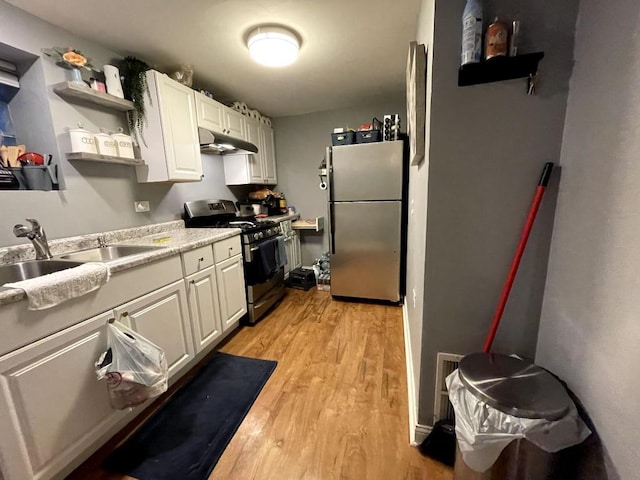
pixel 472 32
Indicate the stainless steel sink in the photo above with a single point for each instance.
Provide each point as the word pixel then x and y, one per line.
pixel 16 272
pixel 110 252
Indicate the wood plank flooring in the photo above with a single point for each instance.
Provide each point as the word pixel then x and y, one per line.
pixel 336 405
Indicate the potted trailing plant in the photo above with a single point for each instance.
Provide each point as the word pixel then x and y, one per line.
pixel 135 89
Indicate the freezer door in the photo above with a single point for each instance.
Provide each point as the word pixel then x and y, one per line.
pixel 365 261
pixel 368 171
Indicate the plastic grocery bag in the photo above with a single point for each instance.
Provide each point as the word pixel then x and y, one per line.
pixel 135 368
pixel 483 431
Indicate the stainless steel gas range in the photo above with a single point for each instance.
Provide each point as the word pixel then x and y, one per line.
pixel 264 277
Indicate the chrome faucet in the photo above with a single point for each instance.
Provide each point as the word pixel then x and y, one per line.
pixel 36 235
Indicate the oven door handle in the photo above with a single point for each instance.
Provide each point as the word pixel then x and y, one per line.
pixel 253 249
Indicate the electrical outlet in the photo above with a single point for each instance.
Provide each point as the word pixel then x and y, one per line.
pixel 414 298
pixel 141 206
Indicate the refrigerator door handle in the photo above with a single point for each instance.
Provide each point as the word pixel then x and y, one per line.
pixel 332 230
pixel 329 173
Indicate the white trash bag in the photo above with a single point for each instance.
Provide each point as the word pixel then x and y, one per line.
pixel 135 369
pixel 483 431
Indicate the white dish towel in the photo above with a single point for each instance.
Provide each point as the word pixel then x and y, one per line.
pixel 51 290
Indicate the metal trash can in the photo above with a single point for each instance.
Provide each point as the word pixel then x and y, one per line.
pixel 513 419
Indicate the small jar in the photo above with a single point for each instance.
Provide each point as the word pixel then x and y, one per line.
pixel 106 144
pixel 97 85
pixel 124 143
pixel 82 141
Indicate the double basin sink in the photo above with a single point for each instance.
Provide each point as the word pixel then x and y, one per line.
pixel 16 272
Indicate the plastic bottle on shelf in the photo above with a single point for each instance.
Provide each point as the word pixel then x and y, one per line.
pixel 472 32
pixel 497 38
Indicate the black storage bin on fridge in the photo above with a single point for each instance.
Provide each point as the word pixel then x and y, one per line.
pixel 344 138
pixel 368 136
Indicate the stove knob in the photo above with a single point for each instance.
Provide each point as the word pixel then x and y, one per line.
pixel 260 234
pixel 256 236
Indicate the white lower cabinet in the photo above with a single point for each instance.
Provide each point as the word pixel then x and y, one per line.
pixel 297 252
pixel 202 292
pixel 52 407
pixel 54 412
pixel 294 253
pixel 288 247
pixel 163 317
pixel 233 301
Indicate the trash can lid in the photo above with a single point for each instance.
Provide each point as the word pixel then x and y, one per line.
pixel 514 386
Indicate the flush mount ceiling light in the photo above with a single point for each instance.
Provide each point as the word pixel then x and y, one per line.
pixel 273 46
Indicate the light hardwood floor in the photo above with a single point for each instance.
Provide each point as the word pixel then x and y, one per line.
pixel 336 405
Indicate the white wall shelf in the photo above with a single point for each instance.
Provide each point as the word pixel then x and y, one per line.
pixel 86 94
pixel 316 224
pixel 94 157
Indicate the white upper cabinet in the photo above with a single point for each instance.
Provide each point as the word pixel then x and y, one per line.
pixel 234 123
pixel 171 149
pixel 268 146
pixel 259 168
pixel 218 118
pixel 254 135
pixel 210 113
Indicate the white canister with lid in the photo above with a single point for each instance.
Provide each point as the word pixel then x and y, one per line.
pixel 82 141
pixel 124 143
pixel 106 144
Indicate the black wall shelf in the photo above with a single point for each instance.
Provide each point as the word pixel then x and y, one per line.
pixel 499 69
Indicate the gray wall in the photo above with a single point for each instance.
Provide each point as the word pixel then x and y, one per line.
pixel 416 230
pixel 589 331
pixel 301 141
pixel 97 197
pixel 488 145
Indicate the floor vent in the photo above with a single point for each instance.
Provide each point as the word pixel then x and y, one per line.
pixel 447 363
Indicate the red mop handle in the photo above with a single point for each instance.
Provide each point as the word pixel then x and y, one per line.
pixel 542 185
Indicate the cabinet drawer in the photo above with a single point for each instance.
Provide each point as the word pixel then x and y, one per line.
pixel 197 259
pixel 227 248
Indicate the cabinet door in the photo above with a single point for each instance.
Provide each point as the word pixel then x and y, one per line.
pixel 51 404
pixel 269 156
pixel 180 130
pixel 231 291
pixel 209 113
pixel 162 317
pixel 234 123
pixel 202 292
pixel 254 135
pixel 288 246
pixel 296 262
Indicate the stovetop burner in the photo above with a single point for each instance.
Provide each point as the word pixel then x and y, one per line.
pixel 222 214
pixel 246 224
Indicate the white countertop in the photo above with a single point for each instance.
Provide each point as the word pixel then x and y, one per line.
pixel 171 236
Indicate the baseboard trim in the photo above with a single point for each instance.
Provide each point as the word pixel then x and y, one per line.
pixel 411 388
pixel 422 431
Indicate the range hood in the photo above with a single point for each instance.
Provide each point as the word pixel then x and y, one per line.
pixel 222 144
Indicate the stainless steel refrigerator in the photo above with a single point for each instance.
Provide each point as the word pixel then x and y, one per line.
pixel 365 213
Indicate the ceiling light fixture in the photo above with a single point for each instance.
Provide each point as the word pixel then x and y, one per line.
pixel 273 46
